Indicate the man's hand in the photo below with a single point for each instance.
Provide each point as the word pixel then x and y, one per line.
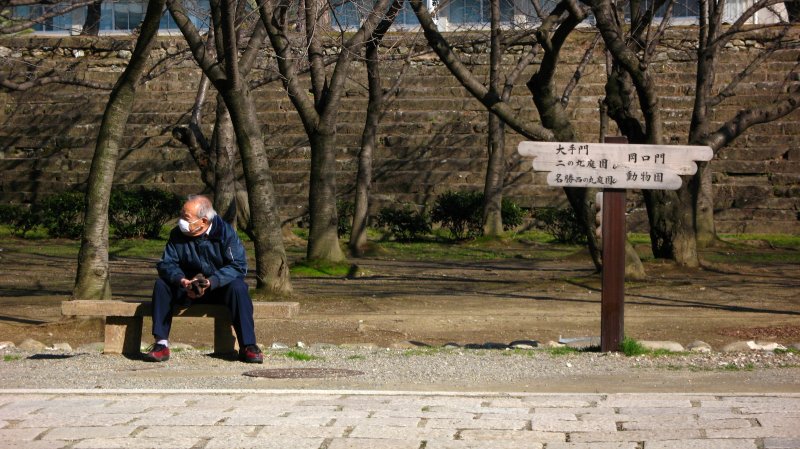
pixel 196 288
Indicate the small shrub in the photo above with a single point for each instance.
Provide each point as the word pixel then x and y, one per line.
pixel 21 219
pixel 562 224
pixel 512 215
pixel 405 224
pixel 344 212
pixel 459 213
pixel 60 214
pixel 136 213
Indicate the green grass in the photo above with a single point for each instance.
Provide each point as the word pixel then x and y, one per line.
pixel 146 249
pixel 638 239
pixel 11 357
pixel 735 367
pixel 300 356
pixel 356 357
pixel 632 348
pixel 479 249
pixel 776 240
pixel 534 245
pixel 562 351
pixel 787 351
pixel 750 257
pixel 318 268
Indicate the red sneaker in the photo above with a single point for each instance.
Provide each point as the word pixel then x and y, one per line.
pixel 251 354
pixel 157 353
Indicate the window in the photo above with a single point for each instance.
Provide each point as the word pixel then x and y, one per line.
pixel 53 24
pixel 116 16
pixel 126 15
pixel 406 17
pixel 478 11
pixel 351 13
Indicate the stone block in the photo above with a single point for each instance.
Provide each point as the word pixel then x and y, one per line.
pixel 372 443
pixel 670 346
pixel 703 444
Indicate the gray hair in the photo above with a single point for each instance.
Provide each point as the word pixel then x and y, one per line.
pixel 204 206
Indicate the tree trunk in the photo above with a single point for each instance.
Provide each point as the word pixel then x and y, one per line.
pixel 272 267
pixel 91 280
pixel 224 142
pixel 495 145
pixel 91 26
pixel 358 234
pixel 704 207
pixel 323 237
pixel 495 174
pixel 702 189
pixel 672 225
pixel 670 213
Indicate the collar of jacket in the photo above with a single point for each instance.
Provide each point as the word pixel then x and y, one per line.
pixel 216 228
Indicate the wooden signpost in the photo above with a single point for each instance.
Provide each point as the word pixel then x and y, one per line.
pixel 614 167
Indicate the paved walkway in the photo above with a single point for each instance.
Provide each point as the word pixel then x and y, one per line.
pixel 300 419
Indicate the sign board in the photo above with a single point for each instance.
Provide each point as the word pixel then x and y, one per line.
pixel 615 166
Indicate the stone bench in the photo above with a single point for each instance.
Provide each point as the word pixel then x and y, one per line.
pixel 124 320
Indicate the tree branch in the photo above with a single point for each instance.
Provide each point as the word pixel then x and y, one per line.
pixel 274 18
pixel 750 117
pixel 45 80
pixel 204 58
pixel 737 27
pixel 24 25
pixel 576 77
pixel 728 91
pixel 492 102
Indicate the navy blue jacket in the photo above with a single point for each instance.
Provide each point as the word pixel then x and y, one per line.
pixel 219 255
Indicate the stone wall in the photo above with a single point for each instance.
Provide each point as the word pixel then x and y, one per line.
pixel 432 137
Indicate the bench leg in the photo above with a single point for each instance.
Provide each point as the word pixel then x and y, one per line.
pixel 123 335
pixel 224 341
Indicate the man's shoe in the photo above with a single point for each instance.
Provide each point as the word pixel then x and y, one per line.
pixel 251 354
pixel 157 353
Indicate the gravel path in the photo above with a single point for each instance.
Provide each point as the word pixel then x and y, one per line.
pixel 430 369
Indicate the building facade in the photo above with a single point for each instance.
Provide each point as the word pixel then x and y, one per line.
pixel 123 16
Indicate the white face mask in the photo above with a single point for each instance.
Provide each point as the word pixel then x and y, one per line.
pixel 184 225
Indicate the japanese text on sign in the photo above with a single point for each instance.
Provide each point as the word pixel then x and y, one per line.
pixel 614 165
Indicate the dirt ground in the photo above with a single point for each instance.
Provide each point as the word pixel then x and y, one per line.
pixel 436 302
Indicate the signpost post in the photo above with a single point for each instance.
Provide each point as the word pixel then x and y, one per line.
pixel 614 167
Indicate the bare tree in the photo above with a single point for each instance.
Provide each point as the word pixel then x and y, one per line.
pixel 631 93
pixel 224 70
pixel 555 123
pixel 376 100
pixel 318 112
pixel 713 37
pixel 91 280
pixel 676 216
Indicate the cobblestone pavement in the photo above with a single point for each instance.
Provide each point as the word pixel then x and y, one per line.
pixel 289 419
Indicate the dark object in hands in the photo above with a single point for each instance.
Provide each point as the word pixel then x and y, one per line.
pixel 199 283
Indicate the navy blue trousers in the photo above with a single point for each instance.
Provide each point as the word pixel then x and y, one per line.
pixel 233 295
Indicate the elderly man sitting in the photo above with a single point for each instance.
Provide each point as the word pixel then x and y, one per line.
pixel 204 262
